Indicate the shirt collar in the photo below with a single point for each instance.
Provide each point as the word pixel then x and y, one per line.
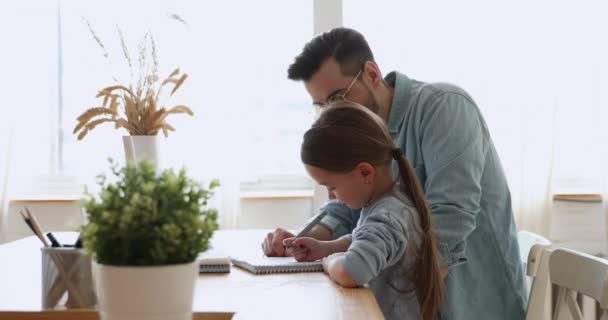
pixel 401 99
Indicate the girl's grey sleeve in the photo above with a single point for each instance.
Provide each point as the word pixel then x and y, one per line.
pixel 377 244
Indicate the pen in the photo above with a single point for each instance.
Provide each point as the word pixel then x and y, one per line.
pixel 308 227
pixel 54 242
pixel 78 243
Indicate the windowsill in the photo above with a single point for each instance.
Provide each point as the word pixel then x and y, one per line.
pixel 44 198
pixel 581 197
pixel 277 194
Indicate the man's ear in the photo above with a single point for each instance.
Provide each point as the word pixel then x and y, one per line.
pixel 372 74
pixel 366 171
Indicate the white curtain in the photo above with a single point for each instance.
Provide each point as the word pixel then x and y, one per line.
pixel 6 144
pixel 28 85
pixel 530 173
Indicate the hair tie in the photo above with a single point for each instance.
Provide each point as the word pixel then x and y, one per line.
pixel 396 153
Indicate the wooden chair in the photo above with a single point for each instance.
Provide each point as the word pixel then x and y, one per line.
pixel 527 240
pixel 578 273
pixel 537 268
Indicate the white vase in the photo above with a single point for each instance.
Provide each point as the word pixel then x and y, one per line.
pixel 150 293
pixel 139 148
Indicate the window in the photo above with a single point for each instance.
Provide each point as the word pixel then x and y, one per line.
pixel 28 61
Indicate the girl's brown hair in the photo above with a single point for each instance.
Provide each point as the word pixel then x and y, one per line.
pixel 347 134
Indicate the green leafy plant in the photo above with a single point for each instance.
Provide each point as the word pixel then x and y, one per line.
pixel 146 219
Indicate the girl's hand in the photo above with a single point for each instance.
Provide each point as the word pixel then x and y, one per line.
pixel 305 248
pixel 332 265
pixel 329 260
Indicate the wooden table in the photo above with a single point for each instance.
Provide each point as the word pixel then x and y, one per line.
pixel 277 296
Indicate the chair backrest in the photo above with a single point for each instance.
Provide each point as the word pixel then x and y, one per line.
pixel 539 300
pixel 575 272
pixel 526 240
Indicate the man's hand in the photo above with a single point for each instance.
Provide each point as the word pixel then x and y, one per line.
pixel 273 243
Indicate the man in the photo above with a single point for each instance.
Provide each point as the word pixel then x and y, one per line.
pixel 443 134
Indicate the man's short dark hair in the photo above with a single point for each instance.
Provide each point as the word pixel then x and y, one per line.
pixel 347 46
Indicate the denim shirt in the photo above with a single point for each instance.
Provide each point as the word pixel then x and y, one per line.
pixel 444 136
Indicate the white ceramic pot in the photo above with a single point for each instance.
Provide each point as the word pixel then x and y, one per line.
pixel 150 293
pixel 139 148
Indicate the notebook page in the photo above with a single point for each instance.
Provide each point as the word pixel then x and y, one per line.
pixel 262 265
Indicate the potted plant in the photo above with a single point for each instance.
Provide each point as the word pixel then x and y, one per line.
pixel 138 106
pixel 145 231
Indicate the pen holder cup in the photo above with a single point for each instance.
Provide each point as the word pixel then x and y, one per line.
pixel 67 282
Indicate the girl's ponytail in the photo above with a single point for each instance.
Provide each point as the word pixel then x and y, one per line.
pixel 425 273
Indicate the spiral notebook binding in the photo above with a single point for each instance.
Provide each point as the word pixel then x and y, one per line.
pixel 276 265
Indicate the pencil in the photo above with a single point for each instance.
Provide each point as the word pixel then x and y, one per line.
pixel 308 227
pixel 37 228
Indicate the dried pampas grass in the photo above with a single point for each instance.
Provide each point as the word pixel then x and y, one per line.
pixel 141 113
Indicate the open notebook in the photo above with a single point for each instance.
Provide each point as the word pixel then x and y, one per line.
pixel 262 265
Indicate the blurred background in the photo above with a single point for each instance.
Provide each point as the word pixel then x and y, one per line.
pixel 538 71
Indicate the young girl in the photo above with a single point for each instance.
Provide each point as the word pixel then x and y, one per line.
pixel 350 151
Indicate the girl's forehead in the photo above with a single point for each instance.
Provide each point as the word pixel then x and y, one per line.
pixel 318 174
pixel 322 176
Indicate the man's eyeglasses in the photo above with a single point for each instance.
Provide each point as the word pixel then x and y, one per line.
pixel 336 97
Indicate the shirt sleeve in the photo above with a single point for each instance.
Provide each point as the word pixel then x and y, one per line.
pixel 340 219
pixel 454 143
pixel 377 244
